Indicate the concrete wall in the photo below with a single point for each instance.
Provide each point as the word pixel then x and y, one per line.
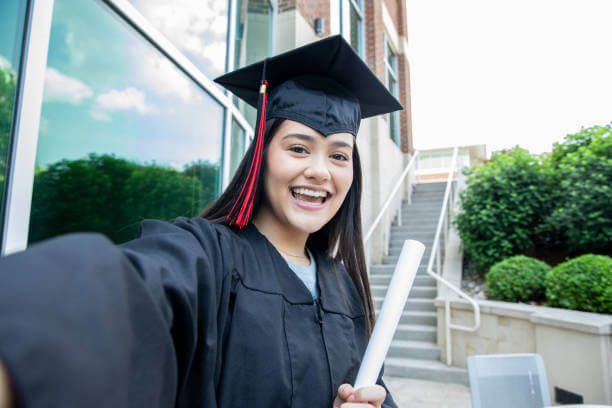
pixel 293 31
pixel 576 346
pixel 382 163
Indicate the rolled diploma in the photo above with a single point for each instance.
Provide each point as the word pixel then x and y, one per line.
pixel 390 313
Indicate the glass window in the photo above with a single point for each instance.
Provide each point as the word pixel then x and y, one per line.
pixel 124 134
pixel 12 18
pixel 391 68
pixel 196 27
pixel 252 41
pixel 356 20
pixel 238 142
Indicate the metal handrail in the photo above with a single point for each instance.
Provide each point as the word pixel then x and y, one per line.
pixel 435 255
pixel 397 186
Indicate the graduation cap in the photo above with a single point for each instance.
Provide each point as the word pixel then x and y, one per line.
pixel 324 85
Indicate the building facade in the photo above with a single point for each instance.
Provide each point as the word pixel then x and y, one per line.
pixel 109 115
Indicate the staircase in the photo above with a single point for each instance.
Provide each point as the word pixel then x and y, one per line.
pixel 414 352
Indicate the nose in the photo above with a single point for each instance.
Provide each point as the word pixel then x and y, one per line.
pixel 317 168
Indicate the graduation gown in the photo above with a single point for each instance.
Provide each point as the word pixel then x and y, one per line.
pixel 190 314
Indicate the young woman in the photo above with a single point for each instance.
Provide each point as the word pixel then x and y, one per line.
pixel 263 301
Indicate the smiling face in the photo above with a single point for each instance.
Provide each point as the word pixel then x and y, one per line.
pixel 307 177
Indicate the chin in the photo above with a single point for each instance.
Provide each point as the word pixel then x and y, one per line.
pixel 307 226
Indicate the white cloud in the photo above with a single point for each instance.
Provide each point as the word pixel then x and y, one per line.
pixel 101 116
pixel 64 88
pixel 195 26
pixel 5 64
pixel 128 99
pixel 165 78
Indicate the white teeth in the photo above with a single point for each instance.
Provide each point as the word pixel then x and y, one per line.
pixel 311 193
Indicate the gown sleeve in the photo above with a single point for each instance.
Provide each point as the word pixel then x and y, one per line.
pixel 84 323
pixel 388 402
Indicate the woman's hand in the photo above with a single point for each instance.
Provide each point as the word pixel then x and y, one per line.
pixel 5 389
pixel 365 397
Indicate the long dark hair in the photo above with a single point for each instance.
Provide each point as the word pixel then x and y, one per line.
pixel 342 231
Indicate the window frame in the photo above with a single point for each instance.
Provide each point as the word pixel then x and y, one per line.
pixel 345 23
pixel 28 104
pixel 391 72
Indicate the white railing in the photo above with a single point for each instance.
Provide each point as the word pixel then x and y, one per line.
pixel 394 191
pixel 435 256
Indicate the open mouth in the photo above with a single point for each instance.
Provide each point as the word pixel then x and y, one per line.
pixel 312 197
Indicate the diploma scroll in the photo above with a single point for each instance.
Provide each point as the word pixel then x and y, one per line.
pixel 390 313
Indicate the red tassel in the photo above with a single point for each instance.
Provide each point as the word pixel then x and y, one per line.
pixel 247 193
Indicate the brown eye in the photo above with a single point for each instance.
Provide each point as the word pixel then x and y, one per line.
pixel 339 156
pixel 298 149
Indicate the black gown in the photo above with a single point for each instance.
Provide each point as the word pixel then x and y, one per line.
pixel 190 314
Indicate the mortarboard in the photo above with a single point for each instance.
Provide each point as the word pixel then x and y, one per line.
pixel 324 85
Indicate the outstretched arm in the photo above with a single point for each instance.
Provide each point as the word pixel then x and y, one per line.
pixel 86 323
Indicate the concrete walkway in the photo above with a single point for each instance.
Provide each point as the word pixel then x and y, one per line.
pixel 410 393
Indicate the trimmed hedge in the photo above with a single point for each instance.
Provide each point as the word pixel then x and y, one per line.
pixel 583 283
pixel 517 279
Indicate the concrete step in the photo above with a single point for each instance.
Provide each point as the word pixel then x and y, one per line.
pixel 416 317
pixel 416 228
pixel 399 243
pixel 429 186
pixel 389 269
pixel 407 232
pixel 419 280
pixel 416 225
pixel 422 209
pixel 422 350
pixel 424 305
pixel 420 292
pixel 392 259
pixel 415 332
pixel 430 196
pixel 396 250
pixel 425 370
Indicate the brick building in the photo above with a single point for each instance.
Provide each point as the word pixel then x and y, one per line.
pixel 377 30
pixel 94 86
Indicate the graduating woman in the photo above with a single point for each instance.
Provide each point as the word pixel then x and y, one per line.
pixel 263 301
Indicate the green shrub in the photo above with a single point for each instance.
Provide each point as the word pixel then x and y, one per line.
pixel 517 279
pixel 582 283
pixel 582 168
pixel 505 200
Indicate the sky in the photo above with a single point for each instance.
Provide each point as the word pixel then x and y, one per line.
pixel 507 73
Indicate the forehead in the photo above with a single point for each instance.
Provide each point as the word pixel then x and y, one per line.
pixel 290 127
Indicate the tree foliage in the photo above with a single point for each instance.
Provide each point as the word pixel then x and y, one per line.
pixel 559 200
pixel 582 169
pixel 112 195
pixel 7 100
pixel 505 200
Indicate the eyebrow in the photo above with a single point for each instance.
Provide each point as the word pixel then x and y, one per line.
pixel 309 138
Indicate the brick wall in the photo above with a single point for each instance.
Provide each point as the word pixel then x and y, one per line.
pixel 404 96
pixel 286 5
pixel 374 46
pixel 375 56
pixel 375 52
pixel 309 10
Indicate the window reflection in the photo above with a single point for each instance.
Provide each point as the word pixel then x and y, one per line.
pixel 356 26
pixel 252 41
pixel 124 134
pixel 196 27
pixel 12 18
pixel 391 68
pixel 237 146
